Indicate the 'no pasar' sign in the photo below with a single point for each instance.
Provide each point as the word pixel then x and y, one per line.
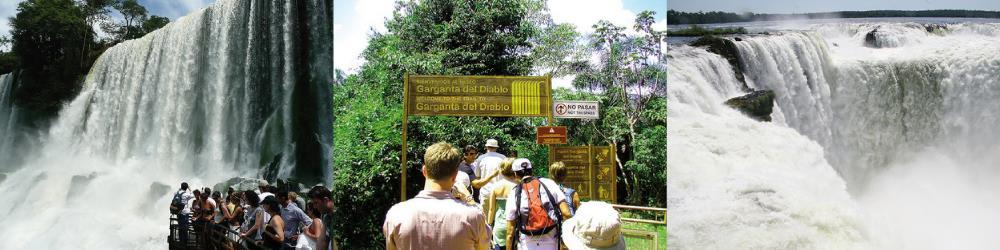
pixel 576 109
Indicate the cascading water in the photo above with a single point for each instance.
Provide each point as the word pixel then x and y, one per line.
pixel 908 126
pixel 240 88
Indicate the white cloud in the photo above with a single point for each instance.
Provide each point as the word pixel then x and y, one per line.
pixel 350 34
pixel 584 14
pixel 563 82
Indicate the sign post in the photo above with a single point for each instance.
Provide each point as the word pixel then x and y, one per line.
pixel 497 96
pixel 591 170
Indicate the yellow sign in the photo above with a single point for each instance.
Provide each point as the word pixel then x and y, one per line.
pixel 478 95
pixel 591 170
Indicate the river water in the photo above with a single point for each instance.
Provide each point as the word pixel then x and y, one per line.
pixel 893 147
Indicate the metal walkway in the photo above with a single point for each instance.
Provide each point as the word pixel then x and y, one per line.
pixel 208 236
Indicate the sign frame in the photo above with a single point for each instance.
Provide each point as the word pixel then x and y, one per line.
pixel 545 111
pixel 560 136
pixel 593 184
pixel 557 103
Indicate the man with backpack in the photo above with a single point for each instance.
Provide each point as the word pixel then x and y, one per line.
pixel 535 210
pixel 179 207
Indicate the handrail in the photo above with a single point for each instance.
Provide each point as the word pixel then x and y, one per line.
pixel 219 235
pixel 651 209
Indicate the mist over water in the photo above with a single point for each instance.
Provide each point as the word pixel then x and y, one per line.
pixel 905 136
pixel 216 94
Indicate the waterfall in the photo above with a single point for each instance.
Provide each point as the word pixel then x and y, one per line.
pixel 909 127
pixel 225 91
pixel 736 183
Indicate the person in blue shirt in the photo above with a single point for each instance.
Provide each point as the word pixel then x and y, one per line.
pixel 295 219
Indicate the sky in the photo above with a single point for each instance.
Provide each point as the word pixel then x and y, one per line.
pixel 354 20
pixel 168 8
pixel 793 6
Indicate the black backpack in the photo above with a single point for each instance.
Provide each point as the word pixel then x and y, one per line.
pixel 177 204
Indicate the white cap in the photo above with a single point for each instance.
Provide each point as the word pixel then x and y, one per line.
pixel 520 164
pixel 492 143
pixel 596 225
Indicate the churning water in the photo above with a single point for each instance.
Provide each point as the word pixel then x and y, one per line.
pixel 213 95
pixel 873 146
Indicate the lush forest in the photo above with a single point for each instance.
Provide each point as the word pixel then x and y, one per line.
pixel 493 37
pixel 680 17
pixel 53 44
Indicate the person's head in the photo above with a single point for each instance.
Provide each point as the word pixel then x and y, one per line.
pixel 293 196
pixel 262 186
pixel 311 212
pixel 558 171
pixel 321 200
pixel 197 194
pixel 595 226
pixel 512 153
pixel 521 168
pixel 492 145
pixel 470 153
pixel 217 196
pixel 271 205
pixel 184 186
pixel 282 198
pixel 441 163
pixel 251 198
pixel 230 192
pixel 206 192
pixel 505 168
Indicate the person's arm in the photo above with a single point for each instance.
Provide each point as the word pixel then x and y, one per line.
pixel 510 234
pixel 576 201
pixel 279 230
pixel 479 183
pixel 482 235
pixel 226 215
pixel 259 218
pixel 313 230
pixel 564 208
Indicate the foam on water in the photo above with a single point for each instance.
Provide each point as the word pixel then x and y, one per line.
pixel 909 128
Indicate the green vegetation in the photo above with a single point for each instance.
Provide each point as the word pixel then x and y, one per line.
pixel 661 230
pixel 680 17
pixel 695 30
pixel 492 37
pixel 54 45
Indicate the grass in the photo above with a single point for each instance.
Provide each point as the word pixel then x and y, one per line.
pixel 695 30
pixel 633 243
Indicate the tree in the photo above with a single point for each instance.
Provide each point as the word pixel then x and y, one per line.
pixel 630 80
pixel 558 51
pixel 489 37
pixel 153 23
pixel 47 40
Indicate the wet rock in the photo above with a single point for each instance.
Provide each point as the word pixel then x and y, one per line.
pixel 757 104
pixel 727 49
pixel 937 29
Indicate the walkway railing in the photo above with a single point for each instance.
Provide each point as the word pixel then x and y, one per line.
pixel 644 233
pixel 207 236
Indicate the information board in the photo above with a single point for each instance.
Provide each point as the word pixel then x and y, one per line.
pixel 478 95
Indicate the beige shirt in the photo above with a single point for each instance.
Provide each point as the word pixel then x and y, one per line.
pixel 435 220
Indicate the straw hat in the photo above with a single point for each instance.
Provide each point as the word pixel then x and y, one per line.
pixel 595 225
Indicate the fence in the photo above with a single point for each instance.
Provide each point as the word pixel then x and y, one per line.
pixel 207 236
pixel 644 233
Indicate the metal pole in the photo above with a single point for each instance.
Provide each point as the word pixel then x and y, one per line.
pixel 402 161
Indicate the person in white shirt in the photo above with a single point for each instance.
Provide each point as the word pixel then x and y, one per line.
pixel 546 240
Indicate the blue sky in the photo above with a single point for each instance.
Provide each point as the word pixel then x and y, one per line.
pixel 354 20
pixel 169 8
pixel 791 6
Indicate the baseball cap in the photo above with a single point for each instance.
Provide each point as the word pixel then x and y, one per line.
pixel 521 164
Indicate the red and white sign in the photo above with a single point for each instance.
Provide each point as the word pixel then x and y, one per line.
pixel 576 109
pixel 551 135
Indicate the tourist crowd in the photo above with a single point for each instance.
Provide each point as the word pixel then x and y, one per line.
pixel 266 216
pixel 491 201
